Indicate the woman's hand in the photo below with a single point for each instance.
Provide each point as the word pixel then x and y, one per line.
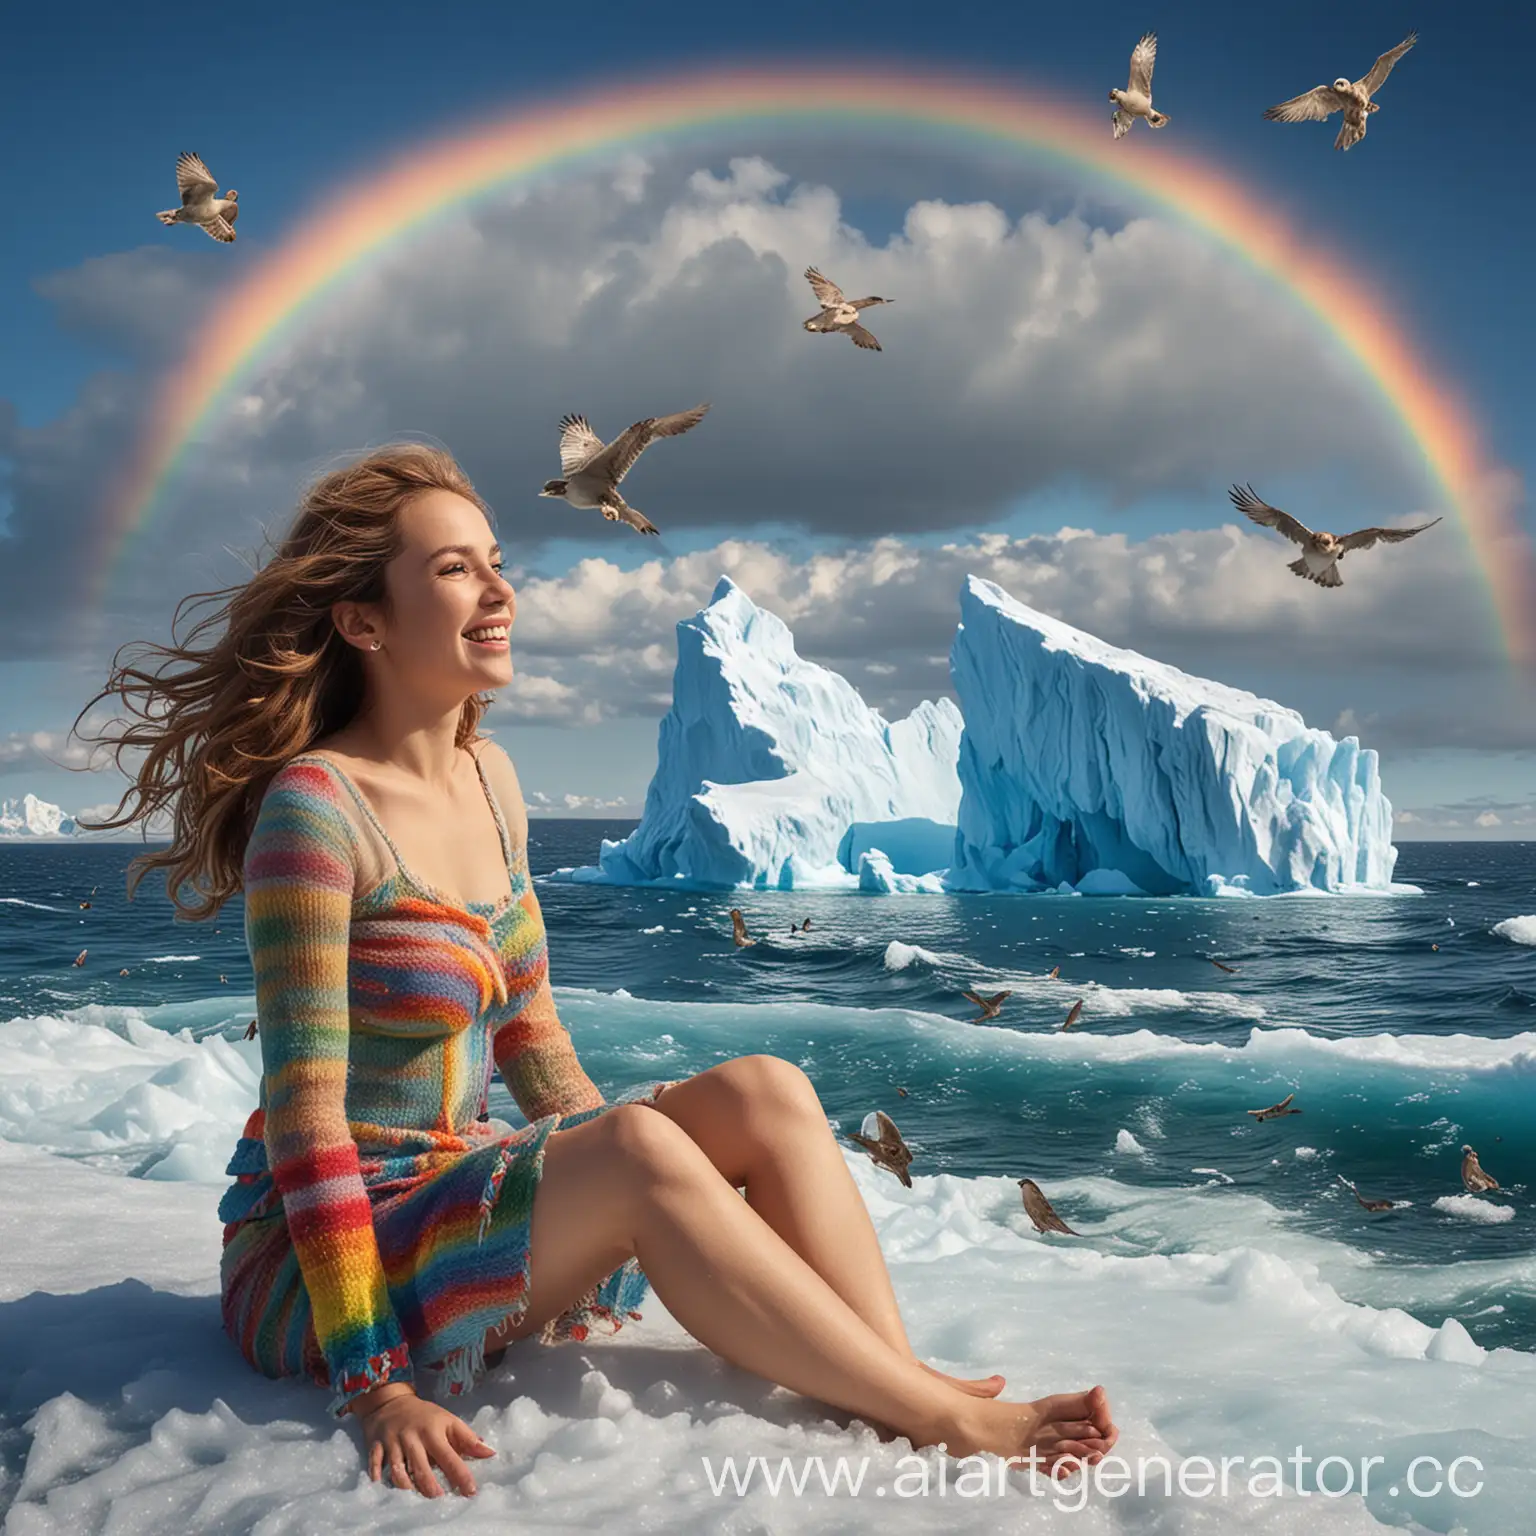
pixel 408 1436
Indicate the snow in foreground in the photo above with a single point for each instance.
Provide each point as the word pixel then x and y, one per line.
pixel 123 1408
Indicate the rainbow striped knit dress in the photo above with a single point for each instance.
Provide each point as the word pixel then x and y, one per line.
pixel 377 1221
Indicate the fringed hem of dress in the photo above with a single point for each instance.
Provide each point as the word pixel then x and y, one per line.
pixel 455 1250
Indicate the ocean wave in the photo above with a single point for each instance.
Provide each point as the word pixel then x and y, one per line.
pixel 37 906
pixel 1518 930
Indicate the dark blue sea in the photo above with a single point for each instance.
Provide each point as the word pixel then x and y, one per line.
pixel 1404 1025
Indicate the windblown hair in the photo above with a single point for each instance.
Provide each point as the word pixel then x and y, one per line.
pixel 263 677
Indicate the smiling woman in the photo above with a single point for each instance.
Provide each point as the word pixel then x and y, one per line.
pixel 321 754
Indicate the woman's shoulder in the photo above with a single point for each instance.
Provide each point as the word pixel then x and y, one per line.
pixel 502 775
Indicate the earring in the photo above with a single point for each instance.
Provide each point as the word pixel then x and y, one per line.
pixel 374 646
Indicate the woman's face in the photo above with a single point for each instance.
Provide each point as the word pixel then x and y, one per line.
pixel 443 587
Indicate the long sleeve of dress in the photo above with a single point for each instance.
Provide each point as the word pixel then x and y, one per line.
pixel 534 1051
pixel 298 901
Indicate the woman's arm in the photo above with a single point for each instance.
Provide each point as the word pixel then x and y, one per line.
pixel 298 913
pixel 534 1053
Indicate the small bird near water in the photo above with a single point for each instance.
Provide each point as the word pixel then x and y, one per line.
pixel 200 200
pixel 593 468
pixel 1074 1013
pixel 1370 1205
pixel 804 927
pixel 80 958
pixel 739 929
pixel 1284 1107
pixel 1231 970
pixel 250 1033
pixel 839 315
pixel 85 906
pixel 1054 974
pixel 1136 99
pixel 879 1137
pixel 1040 1210
pixel 990 1006
pixel 1321 552
pixel 1473 1175
pixel 1352 98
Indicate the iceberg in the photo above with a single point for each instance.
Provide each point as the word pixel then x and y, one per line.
pixel 26 816
pixel 772 771
pixel 1096 768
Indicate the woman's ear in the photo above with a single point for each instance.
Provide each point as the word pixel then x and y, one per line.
pixel 354 624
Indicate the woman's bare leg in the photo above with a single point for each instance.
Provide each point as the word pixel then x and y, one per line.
pixel 759 1121
pixel 634 1184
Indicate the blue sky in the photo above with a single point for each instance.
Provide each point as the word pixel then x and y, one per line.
pixel 1431 209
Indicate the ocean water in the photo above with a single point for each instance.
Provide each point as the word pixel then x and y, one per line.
pixel 1404 1025
pixel 1230 1294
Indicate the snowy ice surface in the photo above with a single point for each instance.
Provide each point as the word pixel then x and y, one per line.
pixel 1080 757
pixel 125 1410
pixel 26 816
pixel 1518 930
pixel 772 771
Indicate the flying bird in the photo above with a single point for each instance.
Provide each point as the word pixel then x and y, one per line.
pixel 84 906
pixel 80 958
pixel 804 927
pixel 1136 99
pixel 1284 1107
pixel 123 972
pixel 1054 974
pixel 839 315
pixel 902 1092
pixel 250 1033
pixel 1370 1205
pixel 1353 100
pixel 879 1137
pixel 593 469
pixel 1473 1175
pixel 1321 552
pixel 739 929
pixel 1073 1014
pixel 200 200
pixel 1231 970
pixel 990 1006
pixel 1040 1210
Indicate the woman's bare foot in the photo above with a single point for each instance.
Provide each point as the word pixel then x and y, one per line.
pixel 975 1386
pixel 1068 1424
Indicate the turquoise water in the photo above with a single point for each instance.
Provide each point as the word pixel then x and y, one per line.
pixel 1397 1051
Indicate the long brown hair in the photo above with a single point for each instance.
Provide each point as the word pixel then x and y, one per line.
pixel 264 676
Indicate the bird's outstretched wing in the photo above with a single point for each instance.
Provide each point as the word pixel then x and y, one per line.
pixel 193 179
pixel 865 303
pixel 1374 81
pixel 1122 122
pixel 579 444
pixel 974 997
pixel 1274 1109
pixel 827 292
pixel 1040 1210
pixel 863 338
pixel 1074 1013
pixel 1248 500
pixel 1310 107
pixel 1143 57
pixel 219 229
pixel 231 214
pixel 1363 538
pixel 998 999
pixel 618 458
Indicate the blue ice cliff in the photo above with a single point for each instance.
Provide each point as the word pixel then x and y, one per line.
pixel 1095 767
pixel 772 771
